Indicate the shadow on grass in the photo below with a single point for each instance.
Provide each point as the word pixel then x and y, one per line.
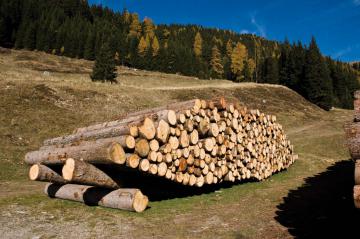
pixel 159 188
pixel 323 206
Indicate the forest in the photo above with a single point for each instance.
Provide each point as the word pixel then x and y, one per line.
pixel 73 28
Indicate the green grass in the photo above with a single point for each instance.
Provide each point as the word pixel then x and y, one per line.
pixel 34 107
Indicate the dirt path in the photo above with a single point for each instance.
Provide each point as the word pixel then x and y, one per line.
pixel 205 86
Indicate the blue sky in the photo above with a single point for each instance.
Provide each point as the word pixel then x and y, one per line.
pixel 334 23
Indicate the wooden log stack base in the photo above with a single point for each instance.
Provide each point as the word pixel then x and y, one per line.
pixel 126 199
pixel 352 133
pixel 193 143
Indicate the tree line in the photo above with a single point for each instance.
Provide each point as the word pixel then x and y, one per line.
pixel 73 28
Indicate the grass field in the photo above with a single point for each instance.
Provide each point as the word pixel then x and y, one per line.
pixel 43 96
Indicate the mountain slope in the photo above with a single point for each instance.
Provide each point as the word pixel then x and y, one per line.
pixel 44 96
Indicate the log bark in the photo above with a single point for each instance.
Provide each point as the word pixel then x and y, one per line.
pixel 39 172
pixel 77 171
pixel 124 198
pixel 354 147
pixel 357 196
pixel 357 110
pixel 98 153
pixel 90 135
pixel 357 172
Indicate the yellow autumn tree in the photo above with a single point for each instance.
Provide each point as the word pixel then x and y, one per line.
pixel 148 41
pixel 135 27
pixel 142 47
pixel 155 47
pixel 217 68
pixel 149 27
pixel 198 44
pixel 238 56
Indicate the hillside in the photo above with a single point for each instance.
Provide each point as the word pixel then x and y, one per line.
pixel 44 96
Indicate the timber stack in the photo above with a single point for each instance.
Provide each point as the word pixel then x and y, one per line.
pixel 352 130
pixel 194 143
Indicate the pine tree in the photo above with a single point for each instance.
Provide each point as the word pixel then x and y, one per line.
pixel 142 47
pixel 217 69
pixel 197 45
pixel 229 48
pixel 238 57
pixel 317 83
pixel 271 70
pixel 3 35
pixel 155 47
pixel 89 50
pixel 104 68
pixel 30 37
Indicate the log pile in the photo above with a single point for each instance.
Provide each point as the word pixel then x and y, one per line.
pixel 352 131
pixel 194 143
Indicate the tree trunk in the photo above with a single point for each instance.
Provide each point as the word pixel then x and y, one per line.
pixel 97 152
pixel 39 172
pixel 126 199
pixel 90 135
pixel 77 171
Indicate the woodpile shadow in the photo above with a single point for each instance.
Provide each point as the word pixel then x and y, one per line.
pixel 158 188
pixel 323 206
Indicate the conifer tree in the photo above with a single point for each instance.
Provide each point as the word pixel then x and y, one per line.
pixel 217 69
pixel 229 48
pixel 89 51
pixel 3 31
pixel 30 37
pixel 155 47
pixel 271 70
pixel 142 47
pixel 317 83
pixel 104 68
pixel 197 45
pixel 238 57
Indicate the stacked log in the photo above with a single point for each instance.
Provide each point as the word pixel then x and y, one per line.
pixel 194 143
pixel 352 131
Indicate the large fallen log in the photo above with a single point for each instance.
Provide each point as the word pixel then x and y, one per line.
pixel 126 199
pixel 77 171
pixel 40 172
pixel 97 152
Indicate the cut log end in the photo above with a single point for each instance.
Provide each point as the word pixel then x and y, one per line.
pixel 147 130
pixel 130 142
pixel 171 117
pixel 34 172
pixel 117 154
pixel 140 202
pixel 142 147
